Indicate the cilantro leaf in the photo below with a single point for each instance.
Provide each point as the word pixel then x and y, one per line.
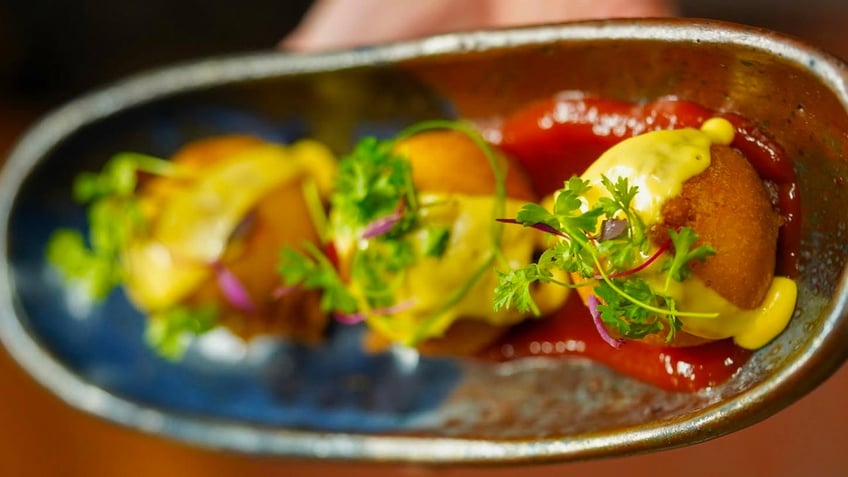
pixel 631 319
pixel 112 223
pixel 513 289
pixel 568 208
pixel 95 273
pixel 571 256
pixel 532 214
pixel 437 241
pixel 619 253
pixel 378 266
pixel 119 177
pixel 96 267
pixel 621 196
pixel 372 180
pixel 114 218
pixel 375 184
pixel 170 332
pixel 628 304
pixel 315 272
pixel 682 241
pixel 620 202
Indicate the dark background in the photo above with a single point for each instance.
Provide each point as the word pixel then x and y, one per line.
pixel 51 51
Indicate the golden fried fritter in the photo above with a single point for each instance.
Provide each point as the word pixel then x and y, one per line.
pixel 729 207
pixel 450 162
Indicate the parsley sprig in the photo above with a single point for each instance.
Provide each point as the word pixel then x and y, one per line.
pixel 313 270
pixel 609 261
pixel 372 180
pixel 92 262
pixel 170 332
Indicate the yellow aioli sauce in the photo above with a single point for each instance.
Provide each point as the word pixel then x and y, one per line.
pixel 659 163
pixel 427 286
pixel 194 223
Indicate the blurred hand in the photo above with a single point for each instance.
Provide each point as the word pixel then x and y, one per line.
pixel 333 24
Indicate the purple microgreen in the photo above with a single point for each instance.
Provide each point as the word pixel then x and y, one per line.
pixel 247 223
pixel 354 318
pixel 233 289
pixel 349 318
pixel 660 251
pixel 538 226
pixel 612 228
pixel 599 325
pixel 383 225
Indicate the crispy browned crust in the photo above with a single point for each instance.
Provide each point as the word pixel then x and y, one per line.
pixel 729 207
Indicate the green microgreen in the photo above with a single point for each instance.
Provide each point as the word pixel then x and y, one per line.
pixel 171 331
pixel 606 242
pixel 91 261
pixel 315 207
pixel 678 265
pixel 437 241
pixel 372 181
pixel 313 270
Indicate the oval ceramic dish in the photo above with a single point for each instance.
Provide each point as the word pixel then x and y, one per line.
pixel 335 401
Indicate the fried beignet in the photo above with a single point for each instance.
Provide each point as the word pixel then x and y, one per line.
pixel 193 240
pixel 434 155
pixel 729 207
pixel 670 237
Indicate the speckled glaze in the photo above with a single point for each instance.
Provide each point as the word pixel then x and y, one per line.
pixel 335 402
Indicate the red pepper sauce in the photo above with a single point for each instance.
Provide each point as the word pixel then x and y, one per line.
pixel 570 332
pixel 561 137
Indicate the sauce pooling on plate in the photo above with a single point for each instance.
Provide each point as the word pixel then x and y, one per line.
pixel 569 332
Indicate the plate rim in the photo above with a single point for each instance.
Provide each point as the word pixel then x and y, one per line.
pixel 781 389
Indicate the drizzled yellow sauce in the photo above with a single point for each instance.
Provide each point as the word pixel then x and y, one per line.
pixel 195 221
pixel 659 163
pixel 750 329
pixel 425 288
